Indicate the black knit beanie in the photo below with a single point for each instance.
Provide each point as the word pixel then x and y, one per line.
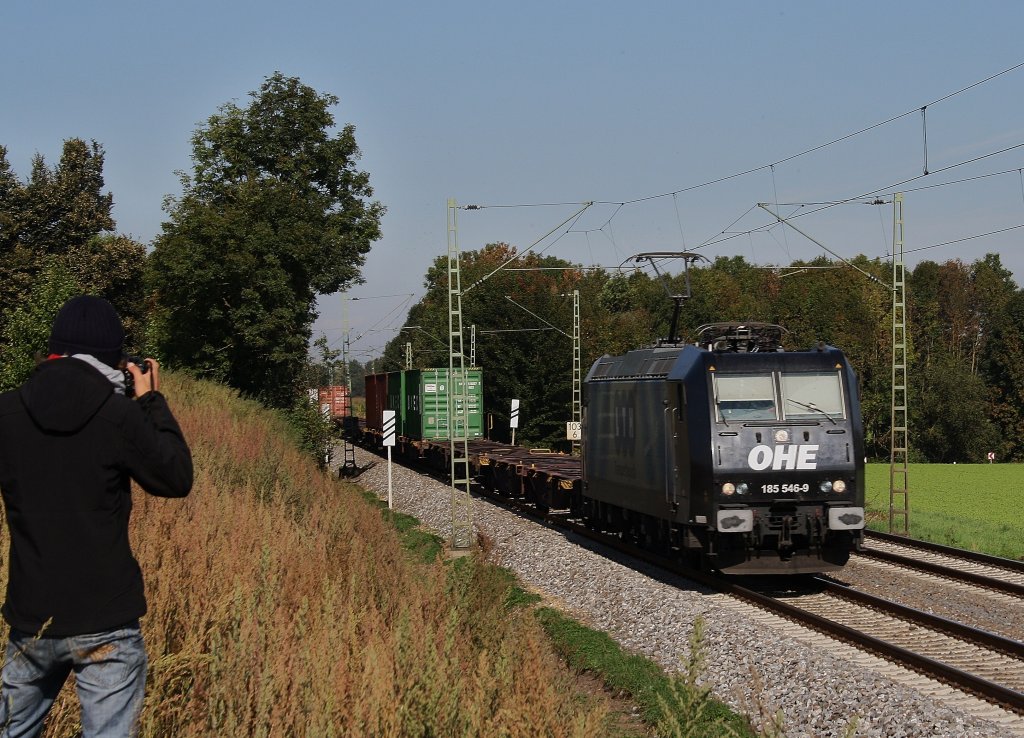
pixel 88 325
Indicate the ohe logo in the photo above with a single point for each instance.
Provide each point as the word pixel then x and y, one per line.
pixel 783 457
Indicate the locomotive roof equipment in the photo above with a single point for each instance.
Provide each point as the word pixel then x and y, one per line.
pixel 740 337
pixel 688 258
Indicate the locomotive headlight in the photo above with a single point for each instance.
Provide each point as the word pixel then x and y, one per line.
pixel 742 488
pixel 825 486
pixel 839 486
pixel 782 436
pixel 728 488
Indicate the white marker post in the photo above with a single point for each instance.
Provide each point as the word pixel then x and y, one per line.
pixel 513 421
pixel 389 441
pixel 573 430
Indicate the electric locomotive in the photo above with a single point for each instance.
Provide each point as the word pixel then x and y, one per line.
pixel 731 453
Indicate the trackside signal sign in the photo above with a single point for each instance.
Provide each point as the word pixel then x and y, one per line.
pixel 513 421
pixel 389 427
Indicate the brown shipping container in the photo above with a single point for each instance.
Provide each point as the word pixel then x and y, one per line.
pixel 376 400
pixel 334 402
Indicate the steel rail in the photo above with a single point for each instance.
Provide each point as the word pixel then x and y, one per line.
pixel 958 678
pixel 959 553
pixel 945 571
pixel 963 632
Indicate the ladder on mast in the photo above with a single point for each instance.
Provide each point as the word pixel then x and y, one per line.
pixel 577 384
pixel 458 399
pixel 899 490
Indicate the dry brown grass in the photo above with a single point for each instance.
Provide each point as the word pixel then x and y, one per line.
pixel 281 604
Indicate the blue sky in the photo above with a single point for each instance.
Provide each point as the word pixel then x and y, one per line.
pixel 559 102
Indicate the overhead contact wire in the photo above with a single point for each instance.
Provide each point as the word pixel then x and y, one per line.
pixel 818 147
pixel 573 217
pixel 893 187
pixel 966 238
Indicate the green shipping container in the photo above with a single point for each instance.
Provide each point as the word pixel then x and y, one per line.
pixel 426 404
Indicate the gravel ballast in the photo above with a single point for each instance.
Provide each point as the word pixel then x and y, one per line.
pixel 757 663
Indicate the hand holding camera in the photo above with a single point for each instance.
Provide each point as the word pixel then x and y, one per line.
pixel 141 376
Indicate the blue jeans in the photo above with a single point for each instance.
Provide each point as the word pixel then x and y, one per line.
pixel 110 676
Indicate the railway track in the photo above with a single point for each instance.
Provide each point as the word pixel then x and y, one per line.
pixel 971 567
pixel 974 661
pixel 971 660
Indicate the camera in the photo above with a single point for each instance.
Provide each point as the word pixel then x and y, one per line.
pixel 129 378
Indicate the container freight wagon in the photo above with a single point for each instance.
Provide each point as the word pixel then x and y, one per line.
pixel 419 398
pixel 425 408
pixel 334 402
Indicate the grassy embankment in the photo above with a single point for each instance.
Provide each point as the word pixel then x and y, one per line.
pixel 972 506
pixel 283 603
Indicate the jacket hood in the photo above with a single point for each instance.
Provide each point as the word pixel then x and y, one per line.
pixel 62 395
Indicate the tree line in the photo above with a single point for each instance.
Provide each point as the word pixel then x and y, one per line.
pixel 965 336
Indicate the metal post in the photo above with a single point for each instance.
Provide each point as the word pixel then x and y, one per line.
pixel 391 499
pixel 513 419
pixel 472 345
pixel 348 461
pixel 389 427
pixel 577 383
pixel 408 354
pixel 458 400
pixel 899 488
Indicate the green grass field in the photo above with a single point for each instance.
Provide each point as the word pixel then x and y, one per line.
pixel 972 506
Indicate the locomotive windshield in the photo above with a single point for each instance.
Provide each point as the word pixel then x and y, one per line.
pixel 804 395
pixel 812 394
pixel 744 397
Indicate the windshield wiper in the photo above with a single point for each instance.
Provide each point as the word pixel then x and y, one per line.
pixel 812 406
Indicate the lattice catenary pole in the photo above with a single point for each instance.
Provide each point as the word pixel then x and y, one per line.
pixel 577 383
pixel 458 401
pixel 899 488
pixel 348 460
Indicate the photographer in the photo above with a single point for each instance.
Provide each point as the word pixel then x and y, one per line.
pixel 70 442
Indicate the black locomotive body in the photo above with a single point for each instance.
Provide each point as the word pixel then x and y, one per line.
pixel 738 456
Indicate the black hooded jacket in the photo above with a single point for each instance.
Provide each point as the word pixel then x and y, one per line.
pixel 68 446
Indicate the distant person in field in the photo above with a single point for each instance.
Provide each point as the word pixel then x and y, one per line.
pixel 70 442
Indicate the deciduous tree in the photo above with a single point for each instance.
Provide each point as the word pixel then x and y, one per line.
pixel 57 210
pixel 951 418
pixel 274 214
pixel 27 325
pixel 55 241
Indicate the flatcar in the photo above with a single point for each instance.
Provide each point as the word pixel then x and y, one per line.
pixel 731 453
